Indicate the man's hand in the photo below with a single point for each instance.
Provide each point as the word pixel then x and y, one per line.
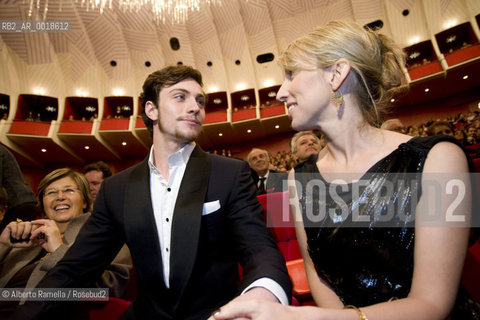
pixel 256 294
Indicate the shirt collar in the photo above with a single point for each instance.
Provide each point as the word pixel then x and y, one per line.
pixel 266 175
pixel 178 158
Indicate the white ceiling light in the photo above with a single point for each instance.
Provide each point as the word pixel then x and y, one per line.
pixel 268 83
pixel 414 40
pixel 241 86
pixel 450 23
pixel 81 93
pixel 173 11
pixel 118 92
pixel 39 91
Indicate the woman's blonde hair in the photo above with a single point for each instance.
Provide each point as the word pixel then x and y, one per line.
pixel 374 58
pixel 78 178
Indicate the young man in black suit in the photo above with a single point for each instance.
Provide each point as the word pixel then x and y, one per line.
pixel 187 217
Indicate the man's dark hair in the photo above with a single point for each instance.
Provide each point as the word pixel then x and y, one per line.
pixel 165 77
pixel 98 166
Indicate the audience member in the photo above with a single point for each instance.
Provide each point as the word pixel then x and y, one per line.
pixel 283 161
pixel 118 113
pixel 304 144
pixel 266 180
pixel 412 131
pixel 471 133
pixel 440 127
pixel 28 250
pixel 21 199
pixel 189 219
pixel 460 136
pixel 95 174
pixel 337 80
pixel 422 130
pixel 393 125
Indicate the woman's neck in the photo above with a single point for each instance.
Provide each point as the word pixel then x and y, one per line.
pixel 62 227
pixel 351 142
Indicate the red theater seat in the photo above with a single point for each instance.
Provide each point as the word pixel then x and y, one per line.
pixel 472 149
pixel 476 165
pixel 112 310
pixel 296 271
pixel 280 223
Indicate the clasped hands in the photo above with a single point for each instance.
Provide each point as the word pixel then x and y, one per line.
pixel 23 234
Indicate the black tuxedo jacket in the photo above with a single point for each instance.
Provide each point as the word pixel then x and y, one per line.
pixel 275 181
pixel 205 249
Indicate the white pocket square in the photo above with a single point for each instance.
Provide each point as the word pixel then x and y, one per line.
pixel 209 207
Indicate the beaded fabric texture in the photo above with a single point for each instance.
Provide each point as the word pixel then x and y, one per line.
pixel 367 262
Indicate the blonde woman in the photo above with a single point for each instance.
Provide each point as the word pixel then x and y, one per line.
pixel 359 205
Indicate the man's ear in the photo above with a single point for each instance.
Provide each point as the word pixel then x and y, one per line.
pixel 340 71
pixel 151 111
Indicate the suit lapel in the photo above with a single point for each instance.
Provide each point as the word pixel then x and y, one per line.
pixel 187 219
pixel 270 181
pixel 140 227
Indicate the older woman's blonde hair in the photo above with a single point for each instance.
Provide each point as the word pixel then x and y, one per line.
pixel 78 178
pixel 374 58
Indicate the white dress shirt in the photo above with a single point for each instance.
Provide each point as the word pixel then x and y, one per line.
pixel 163 204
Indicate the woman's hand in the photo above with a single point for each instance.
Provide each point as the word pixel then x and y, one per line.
pixel 17 230
pixel 46 234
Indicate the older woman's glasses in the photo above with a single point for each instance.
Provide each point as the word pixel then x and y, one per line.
pixel 53 193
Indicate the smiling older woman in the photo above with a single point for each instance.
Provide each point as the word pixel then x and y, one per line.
pixel 28 250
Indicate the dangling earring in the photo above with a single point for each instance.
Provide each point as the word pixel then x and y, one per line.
pixel 337 100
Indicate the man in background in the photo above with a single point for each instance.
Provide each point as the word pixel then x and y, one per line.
pixel 304 144
pixel 95 174
pixel 440 127
pixel 265 179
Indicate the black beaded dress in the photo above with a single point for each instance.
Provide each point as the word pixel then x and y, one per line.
pixel 365 260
